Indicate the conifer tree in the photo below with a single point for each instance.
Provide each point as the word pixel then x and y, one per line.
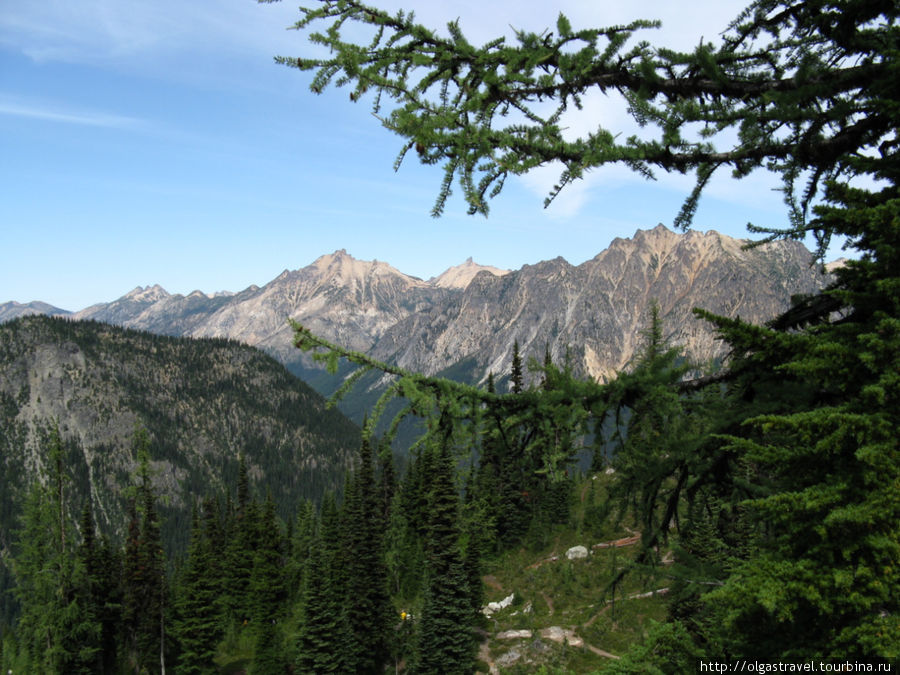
pixel 38 577
pixel 476 534
pixel 301 543
pixel 446 641
pixel 493 494
pixel 267 586
pixel 323 635
pixel 504 475
pixel 387 478
pixel 318 650
pixel 242 541
pixel 368 607
pixel 555 437
pixel 144 584
pixel 58 627
pixel 404 556
pixel 102 588
pixel 268 656
pixel 107 576
pixel 516 376
pixel 267 591
pixel 200 622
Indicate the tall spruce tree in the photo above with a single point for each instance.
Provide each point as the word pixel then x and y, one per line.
pixel 241 543
pixel 516 374
pixel 145 589
pixel 387 478
pixel 403 556
pixel 368 607
pixel 301 543
pixel 323 635
pixel 267 590
pixel 200 617
pixel 99 563
pixel 38 570
pixel 446 642
pixel 58 627
pixel 267 583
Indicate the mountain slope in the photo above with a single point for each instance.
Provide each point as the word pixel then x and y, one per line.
pixel 459 276
pixel 595 312
pixel 203 402
pixel 14 310
pixel 353 301
pixel 153 309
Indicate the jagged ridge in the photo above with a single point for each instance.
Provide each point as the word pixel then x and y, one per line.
pixel 593 312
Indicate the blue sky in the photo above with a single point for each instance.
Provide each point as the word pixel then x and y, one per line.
pixel 154 141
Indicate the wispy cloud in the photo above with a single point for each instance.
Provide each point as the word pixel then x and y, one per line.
pixel 128 34
pixel 50 113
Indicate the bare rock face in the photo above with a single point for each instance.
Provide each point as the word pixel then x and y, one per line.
pixel 127 308
pixel 155 310
pixel 352 302
pixel 592 314
pixel 484 320
pixel 459 276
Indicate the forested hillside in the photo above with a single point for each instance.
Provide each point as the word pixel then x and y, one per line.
pixel 389 574
pixel 203 403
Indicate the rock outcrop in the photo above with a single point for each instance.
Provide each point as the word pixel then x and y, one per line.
pixel 593 314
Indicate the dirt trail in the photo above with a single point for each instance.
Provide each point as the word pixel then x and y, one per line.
pixel 484 654
pixel 548 600
pixel 600 652
pixel 618 543
pixel 492 581
pixel 589 622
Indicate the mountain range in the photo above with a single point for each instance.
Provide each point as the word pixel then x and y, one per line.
pixel 467 319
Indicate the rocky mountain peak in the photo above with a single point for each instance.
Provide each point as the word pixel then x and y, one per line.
pixel 835 265
pixel 147 294
pixel 351 301
pixel 343 268
pixel 12 310
pixel 459 276
pixel 595 312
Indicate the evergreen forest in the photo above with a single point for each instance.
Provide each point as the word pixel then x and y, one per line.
pixel 763 498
